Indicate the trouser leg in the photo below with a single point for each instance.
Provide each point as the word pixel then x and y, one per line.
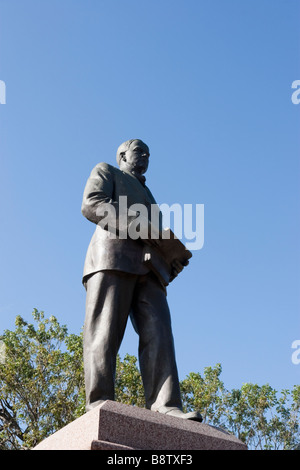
pixel 152 320
pixel 108 300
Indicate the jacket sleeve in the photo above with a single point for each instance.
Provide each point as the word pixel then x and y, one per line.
pixel 98 204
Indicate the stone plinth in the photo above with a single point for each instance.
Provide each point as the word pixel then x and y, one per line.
pixel 114 426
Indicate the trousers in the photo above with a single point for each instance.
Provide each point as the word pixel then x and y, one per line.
pixel 111 297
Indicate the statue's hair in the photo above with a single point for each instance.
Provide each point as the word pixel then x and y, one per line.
pixel 124 147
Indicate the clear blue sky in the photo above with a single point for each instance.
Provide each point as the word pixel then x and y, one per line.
pixel 207 85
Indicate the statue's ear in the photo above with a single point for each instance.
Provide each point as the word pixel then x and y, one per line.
pixel 123 156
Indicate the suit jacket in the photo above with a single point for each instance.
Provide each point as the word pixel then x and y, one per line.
pixel 106 251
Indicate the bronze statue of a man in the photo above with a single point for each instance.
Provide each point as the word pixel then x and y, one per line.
pixel 120 284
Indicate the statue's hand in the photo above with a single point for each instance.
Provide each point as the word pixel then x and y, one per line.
pixel 177 267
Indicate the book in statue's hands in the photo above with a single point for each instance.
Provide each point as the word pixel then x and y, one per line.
pixel 160 256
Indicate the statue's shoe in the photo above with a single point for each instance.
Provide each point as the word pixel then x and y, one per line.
pixel 178 413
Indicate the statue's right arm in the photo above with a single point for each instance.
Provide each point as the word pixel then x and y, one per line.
pixel 99 205
pixel 98 191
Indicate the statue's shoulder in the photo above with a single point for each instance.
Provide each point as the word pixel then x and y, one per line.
pixel 105 169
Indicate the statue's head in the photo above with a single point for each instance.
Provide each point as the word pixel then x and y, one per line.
pixel 133 155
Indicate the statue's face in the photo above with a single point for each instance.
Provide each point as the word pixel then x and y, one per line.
pixel 137 157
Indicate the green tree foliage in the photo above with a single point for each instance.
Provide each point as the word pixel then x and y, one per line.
pixel 128 383
pixel 42 390
pixel 258 415
pixel 41 381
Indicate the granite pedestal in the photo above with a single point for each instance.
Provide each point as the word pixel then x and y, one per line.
pixel 114 426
